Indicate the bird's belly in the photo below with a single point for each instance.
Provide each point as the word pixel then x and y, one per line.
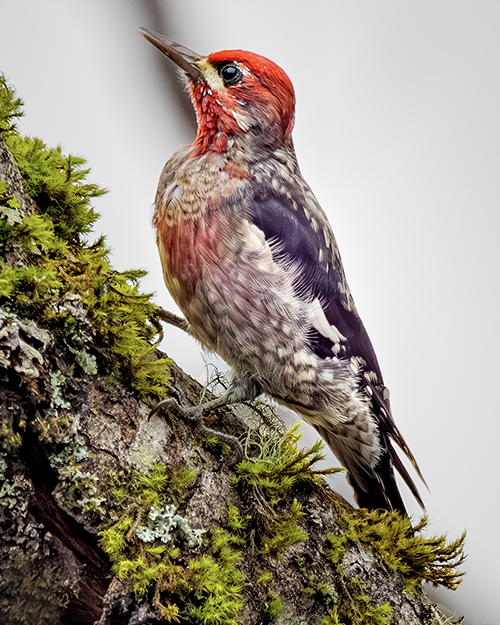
pixel 238 301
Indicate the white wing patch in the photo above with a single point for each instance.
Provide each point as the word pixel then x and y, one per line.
pixel 320 323
pixel 255 238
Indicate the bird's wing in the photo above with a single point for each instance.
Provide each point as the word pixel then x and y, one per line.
pixel 301 240
pixel 309 251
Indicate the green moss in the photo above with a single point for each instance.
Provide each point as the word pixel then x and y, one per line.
pixel 162 561
pixel 284 532
pixel 364 614
pixel 332 619
pixel 234 521
pixel 10 440
pixel 130 488
pixel 360 610
pixel 58 185
pixel 280 465
pixel 271 475
pixel 213 444
pixel 9 210
pixel 138 504
pixel 336 549
pixel 215 583
pixel 10 108
pixel 320 591
pixel 273 608
pixel 158 557
pixel 59 260
pixel 265 577
pixel 357 608
pixel 401 547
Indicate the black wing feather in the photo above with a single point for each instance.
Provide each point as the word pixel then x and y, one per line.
pixel 286 224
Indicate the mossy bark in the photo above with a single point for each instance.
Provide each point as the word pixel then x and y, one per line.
pixel 70 447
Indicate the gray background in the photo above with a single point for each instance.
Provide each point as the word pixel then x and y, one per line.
pixel 398 134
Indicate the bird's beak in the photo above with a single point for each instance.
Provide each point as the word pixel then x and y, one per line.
pixel 185 58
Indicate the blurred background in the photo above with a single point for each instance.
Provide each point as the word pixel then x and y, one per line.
pixel 398 134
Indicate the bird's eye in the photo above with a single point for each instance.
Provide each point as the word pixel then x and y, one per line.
pixel 231 74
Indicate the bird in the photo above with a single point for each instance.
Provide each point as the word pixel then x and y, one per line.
pixel 250 258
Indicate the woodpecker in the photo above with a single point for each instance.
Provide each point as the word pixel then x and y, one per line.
pixel 250 258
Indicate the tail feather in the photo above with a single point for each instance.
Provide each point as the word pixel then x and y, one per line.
pixel 401 469
pixel 389 427
pixel 382 492
pixel 374 485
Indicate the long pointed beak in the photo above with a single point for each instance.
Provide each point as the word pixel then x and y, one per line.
pixel 185 58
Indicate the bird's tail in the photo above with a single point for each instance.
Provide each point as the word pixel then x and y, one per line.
pixel 374 485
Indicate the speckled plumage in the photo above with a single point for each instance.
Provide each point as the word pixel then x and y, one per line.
pixel 251 260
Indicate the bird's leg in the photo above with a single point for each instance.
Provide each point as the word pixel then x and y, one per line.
pixel 173 320
pixel 240 389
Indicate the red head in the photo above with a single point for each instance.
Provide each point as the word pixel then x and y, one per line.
pixel 234 93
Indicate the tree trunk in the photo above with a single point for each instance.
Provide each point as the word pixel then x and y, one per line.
pixel 109 516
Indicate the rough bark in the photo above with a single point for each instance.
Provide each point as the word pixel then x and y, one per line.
pixel 60 423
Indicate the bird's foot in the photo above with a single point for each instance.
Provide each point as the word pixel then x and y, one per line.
pixel 195 414
pixel 172 405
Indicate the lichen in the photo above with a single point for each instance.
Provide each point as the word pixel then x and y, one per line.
pixel 86 361
pixel 13 489
pixel 56 399
pixel 78 490
pixel 161 524
pixel 22 344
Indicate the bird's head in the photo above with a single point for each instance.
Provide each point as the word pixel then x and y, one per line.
pixel 234 93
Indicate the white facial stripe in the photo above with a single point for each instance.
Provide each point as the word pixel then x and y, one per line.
pixel 211 75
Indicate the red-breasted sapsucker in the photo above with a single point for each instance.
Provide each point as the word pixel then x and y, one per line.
pixel 251 260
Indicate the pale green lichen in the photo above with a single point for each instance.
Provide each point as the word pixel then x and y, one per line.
pixel 9 206
pixel 86 361
pixel 22 344
pixel 163 522
pixel 67 462
pixel 56 400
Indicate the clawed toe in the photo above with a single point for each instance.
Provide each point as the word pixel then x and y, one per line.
pixel 171 404
pixel 196 414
